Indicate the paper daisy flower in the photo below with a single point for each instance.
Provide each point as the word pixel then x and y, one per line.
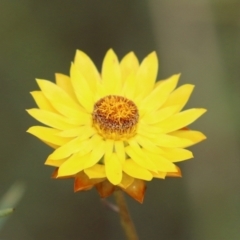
pixel 115 129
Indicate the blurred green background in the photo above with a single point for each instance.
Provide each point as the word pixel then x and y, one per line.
pixel 198 38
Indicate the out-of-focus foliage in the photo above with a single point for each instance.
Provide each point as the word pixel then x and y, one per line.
pixel 6 212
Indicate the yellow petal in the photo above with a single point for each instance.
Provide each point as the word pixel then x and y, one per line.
pixel 128 65
pixel 96 171
pixel 96 154
pixel 158 82
pixel 42 101
pixel 52 119
pixel 111 73
pixel 55 163
pixel 126 181
pixel 129 86
pixel 64 82
pixel 137 155
pixel 82 144
pixel 59 99
pixel 146 75
pixel 193 136
pixel 181 119
pixel 159 115
pixel 120 151
pixel 113 169
pixel 51 145
pixel 175 174
pixel 159 95
pixel 48 135
pixel 161 175
pixel 176 154
pixel 162 164
pixel 75 132
pixel 165 140
pixel 87 68
pixel 147 144
pixel 73 165
pixel 83 119
pixel 109 148
pixel 81 89
pixel 100 92
pixel 179 97
pixel 148 130
pixel 131 168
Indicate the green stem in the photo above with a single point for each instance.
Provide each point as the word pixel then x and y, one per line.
pixel 125 217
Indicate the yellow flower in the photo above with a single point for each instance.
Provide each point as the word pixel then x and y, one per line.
pixel 119 128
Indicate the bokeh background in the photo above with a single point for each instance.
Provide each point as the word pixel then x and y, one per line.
pixel 198 38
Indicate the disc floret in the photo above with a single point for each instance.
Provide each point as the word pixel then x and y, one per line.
pixel 115 117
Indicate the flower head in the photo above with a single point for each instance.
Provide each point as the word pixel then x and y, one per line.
pixel 116 129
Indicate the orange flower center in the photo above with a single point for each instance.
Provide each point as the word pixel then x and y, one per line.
pixel 115 117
